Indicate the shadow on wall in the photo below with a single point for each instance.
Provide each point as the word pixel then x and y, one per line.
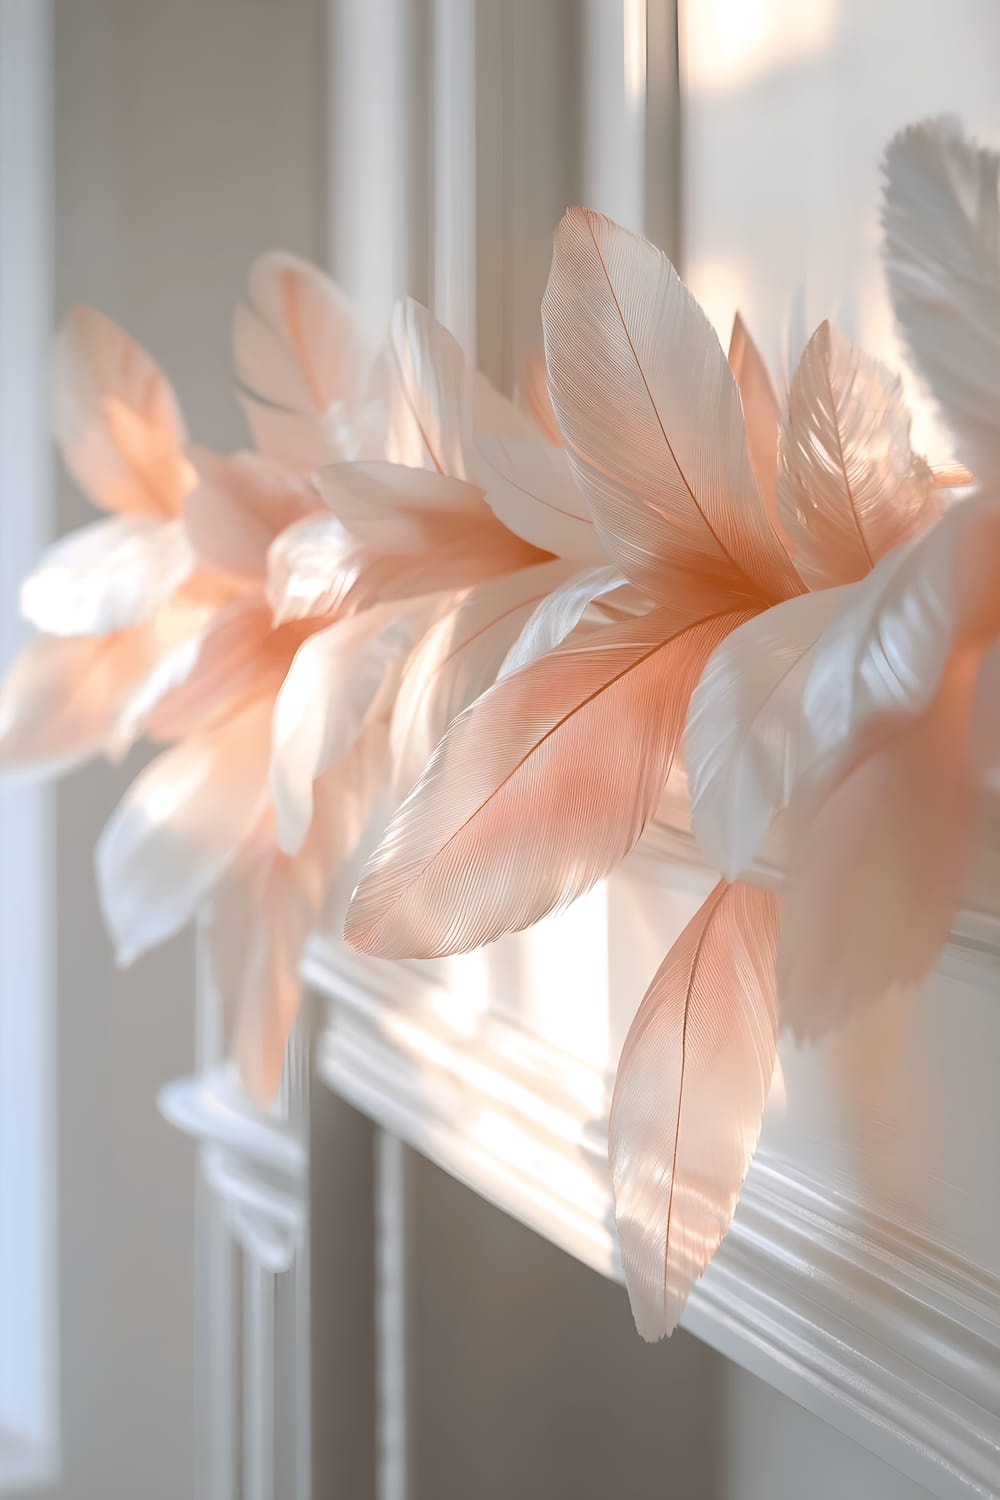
pixel 529 1380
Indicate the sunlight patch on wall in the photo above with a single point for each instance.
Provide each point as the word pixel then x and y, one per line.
pixel 731 43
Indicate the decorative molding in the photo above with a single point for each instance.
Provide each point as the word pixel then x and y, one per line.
pixel 887 1336
pixel 252 1235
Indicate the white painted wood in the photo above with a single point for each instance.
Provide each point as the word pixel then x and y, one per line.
pixel 252 1231
pixel 630 115
pixel 392 1323
pixel 455 165
pixel 258 1394
pixel 889 1333
pixel 217 1468
pixel 29 1400
pixel 378 190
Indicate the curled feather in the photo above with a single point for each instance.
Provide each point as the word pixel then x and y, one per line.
pixel 557 616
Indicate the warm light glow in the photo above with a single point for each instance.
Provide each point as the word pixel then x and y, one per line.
pixel 731 43
pixel 634 16
pixel 569 976
pixel 777 1099
pixel 724 286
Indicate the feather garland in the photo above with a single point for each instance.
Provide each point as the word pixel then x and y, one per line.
pixel 529 596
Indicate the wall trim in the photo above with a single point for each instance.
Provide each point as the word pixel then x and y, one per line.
pixel 890 1338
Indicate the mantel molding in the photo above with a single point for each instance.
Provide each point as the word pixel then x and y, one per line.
pixel 891 1338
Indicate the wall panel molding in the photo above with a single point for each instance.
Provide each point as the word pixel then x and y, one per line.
pixel 889 1336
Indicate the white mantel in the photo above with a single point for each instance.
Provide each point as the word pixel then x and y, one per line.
pixel 862 1272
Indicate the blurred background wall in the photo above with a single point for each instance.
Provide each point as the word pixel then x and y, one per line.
pixel 188 136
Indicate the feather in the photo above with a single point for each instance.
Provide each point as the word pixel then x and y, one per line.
pixel 850 487
pixel 64 699
pixel 692 1082
pixel 107 576
pixel 429 405
pixel 533 394
pixel 268 903
pixel 494 415
pixel 951 476
pixel 760 413
pixel 302 363
pixel 399 509
pixel 880 827
pixel 558 615
pixel 344 799
pixel 279 916
pixel 459 658
pixel 116 420
pixel 879 664
pixel 746 741
pixel 241 503
pixel 941 219
pixel 173 641
pixel 178 828
pixel 651 419
pixel 317 568
pixel 877 853
pixel 211 675
pixel 536 792
pixel 313 566
pixel 530 488
pixel 338 680
pixel 985 728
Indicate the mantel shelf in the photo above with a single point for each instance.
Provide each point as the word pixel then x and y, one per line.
pixel 862 1272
